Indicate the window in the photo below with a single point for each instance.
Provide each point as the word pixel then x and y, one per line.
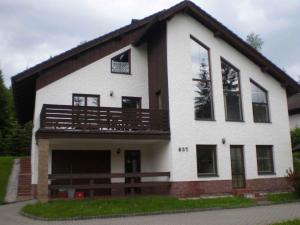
pixel 203 104
pixel 131 102
pixel 86 100
pixel 206 160
pixel 259 103
pixel 264 154
pixel 121 63
pixel 159 100
pixel 232 92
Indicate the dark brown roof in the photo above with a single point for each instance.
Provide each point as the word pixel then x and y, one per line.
pixel 24 83
pixel 294 104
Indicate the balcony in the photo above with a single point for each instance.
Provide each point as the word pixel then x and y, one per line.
pixel 103 122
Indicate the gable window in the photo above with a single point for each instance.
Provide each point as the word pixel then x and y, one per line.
pixel 260 104
pixel 264 154
pixel 206 160
pixel 86 100
pixel 232 91
pixel 203 104
pixel 121 63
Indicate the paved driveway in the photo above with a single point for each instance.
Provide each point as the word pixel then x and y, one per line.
pixel 247 216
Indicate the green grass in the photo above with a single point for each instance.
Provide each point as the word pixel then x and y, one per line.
pixel 60 209
pixel 282 197
pixel 5 169
pixel 289 222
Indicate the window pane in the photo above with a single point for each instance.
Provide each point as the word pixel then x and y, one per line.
pixel 92 101
pixel 78 101
pixel 264 159
pixel 206 160
pixel 202 83
pixel 131 102
pixel 260 112
pixel 231 89
pixel 233 107
pixel 202 100
pixel 200 61
pixel 230 77
pixel 120 63
pixel 259 104
pixel 258 95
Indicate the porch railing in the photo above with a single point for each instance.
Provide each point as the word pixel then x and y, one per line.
pixel 66 117
pixel 92 185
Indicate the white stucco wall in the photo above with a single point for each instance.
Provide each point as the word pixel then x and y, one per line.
pixel 294 121
pixel 187 132
pixel 96 78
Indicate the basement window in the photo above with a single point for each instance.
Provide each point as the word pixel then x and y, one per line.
pixel 121 63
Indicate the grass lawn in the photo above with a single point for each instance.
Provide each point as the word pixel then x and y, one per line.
pixel 109 207
pixel 282 197
pixel 5 169
pixel 290 222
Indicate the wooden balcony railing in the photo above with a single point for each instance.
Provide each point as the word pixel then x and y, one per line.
pixel 90 182
pixel 66 117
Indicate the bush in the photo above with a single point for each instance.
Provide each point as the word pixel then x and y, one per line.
pixel 293 178
pixel 295 136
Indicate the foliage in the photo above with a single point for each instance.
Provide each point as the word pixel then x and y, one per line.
pixel 5 169
pixel 14 137
pixel 289 222
pixel 255 41
pixel 294 178
pixel 282 197
pixel 295 136
pixel 109 207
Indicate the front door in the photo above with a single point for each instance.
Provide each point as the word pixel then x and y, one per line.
pixel 237 166
pixel 132 165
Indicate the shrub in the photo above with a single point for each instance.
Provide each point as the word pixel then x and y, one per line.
pixel 293 178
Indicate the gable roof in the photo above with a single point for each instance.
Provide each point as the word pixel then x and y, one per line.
pixel 24 83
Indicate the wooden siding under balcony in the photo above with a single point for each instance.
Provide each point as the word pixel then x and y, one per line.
pixel 59 121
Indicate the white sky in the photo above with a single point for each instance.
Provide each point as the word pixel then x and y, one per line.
pixel 33 30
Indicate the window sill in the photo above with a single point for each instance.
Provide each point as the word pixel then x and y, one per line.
pixel 266 173
pixel 120 73
pixel 213 120
pixel 207 175
pixel 236 121
pixel 263 122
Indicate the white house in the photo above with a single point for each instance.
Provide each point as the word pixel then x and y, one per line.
pixel 174 103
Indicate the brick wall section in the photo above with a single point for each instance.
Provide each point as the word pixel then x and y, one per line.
pixel 270 184
pixel 43 154
pixel 24 183
pixel 197 188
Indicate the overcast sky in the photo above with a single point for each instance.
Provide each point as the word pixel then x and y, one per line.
pixel 33 30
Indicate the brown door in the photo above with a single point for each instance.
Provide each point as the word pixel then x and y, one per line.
pixel 82 162
pixel 132 165
pixel 237 166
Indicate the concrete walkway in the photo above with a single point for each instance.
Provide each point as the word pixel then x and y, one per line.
pixel 256 215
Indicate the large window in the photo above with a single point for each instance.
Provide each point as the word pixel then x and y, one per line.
pixel 203 103
pixel 206 160
pixel 264 154
pixel 131 102
pixel 121 63
pixel 232 91
pixel 86 100
pixel 259 103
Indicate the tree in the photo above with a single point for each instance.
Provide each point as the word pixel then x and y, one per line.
pixel 295 136
pixel 255 41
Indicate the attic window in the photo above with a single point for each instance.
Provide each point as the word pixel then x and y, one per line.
pixel 121 63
